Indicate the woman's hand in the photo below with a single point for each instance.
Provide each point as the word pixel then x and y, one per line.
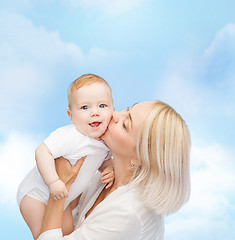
pixel 66 172
pixel 54 209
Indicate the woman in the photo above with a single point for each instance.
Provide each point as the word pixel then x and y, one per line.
pixel 150 143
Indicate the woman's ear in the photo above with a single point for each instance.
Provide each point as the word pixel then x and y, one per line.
pixel 70 115
pixel 135 162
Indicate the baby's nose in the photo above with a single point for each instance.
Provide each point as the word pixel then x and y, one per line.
pixel 95 112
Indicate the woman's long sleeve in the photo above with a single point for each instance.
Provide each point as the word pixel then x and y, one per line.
pixel 120 216
pixel 103 224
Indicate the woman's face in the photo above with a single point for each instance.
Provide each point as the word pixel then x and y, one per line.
pixel 122 132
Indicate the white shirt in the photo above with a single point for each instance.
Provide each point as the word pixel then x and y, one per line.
pixel 69 143
pixel 119 216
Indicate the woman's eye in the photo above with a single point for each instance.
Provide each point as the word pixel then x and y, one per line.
pixel 84 107
pixel 102 105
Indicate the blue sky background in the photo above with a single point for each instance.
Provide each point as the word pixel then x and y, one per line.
pixel 181 52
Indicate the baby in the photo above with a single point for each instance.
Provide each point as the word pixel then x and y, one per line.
pixel 90 110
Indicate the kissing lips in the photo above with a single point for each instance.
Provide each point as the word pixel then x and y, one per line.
pixel 95 124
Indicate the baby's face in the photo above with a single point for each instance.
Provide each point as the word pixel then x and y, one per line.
pixel 91 109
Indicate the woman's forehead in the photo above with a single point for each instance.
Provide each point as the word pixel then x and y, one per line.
pixel 141 107
pixel 138 112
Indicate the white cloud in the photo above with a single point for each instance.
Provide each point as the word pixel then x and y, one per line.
pixel 202 90
pixel 17 158
pixel 208 211
pixel 34 62
pixel 224 41
pixel 114 7
pixel 218 60
pixel 206 84
pixel 21 41
pixel 29 60
pixel 178 87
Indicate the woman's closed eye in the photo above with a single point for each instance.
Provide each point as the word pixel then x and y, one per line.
pixel 127 122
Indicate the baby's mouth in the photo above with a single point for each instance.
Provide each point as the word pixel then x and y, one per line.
pixel 95 124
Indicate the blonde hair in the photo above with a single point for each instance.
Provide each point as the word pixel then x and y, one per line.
pixel 163 149
pixel 85 80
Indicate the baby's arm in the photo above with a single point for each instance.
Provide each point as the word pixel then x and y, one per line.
pixel 46 166
pixel 107 172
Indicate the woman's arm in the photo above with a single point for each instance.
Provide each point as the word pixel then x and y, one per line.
pixel 113 220
pixel 53 215
pixel 54 210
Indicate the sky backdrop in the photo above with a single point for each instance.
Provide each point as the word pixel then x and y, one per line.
pixel 181 52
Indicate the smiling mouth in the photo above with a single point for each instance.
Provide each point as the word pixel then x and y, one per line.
pixel 95 124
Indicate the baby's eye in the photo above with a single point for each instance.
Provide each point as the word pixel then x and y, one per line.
pixel 84 107
pixel 124 125
pixel 102 105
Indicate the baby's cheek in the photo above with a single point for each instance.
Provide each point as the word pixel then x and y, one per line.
pixel 109 115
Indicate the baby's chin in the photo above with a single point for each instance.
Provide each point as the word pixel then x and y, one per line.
pixel 103 136
pixel 97 136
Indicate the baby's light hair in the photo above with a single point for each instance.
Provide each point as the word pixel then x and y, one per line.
pixel 85 80
pixel 163 150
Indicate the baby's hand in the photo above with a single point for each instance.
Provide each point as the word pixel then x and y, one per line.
pixel 108 176
pixel 58 190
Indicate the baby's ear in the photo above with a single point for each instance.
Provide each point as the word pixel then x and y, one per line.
pixel 70 114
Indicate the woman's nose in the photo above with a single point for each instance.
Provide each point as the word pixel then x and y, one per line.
pixel 118 115
pixel 115 116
